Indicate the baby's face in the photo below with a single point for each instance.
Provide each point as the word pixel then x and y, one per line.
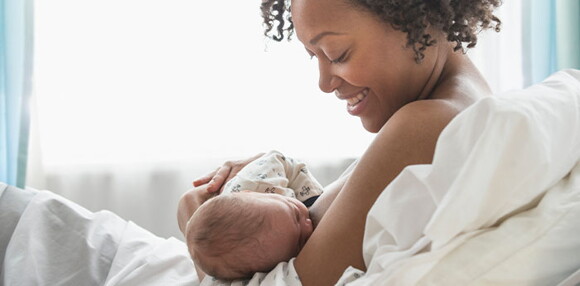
pixel 290 225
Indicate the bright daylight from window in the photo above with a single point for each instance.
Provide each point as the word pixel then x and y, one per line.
pixel 149 80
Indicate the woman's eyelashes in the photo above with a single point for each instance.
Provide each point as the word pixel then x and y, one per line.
pixel 340 59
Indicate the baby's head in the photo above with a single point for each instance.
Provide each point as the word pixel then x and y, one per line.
pixel 233 236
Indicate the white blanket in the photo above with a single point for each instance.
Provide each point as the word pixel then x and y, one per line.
pixel 500 205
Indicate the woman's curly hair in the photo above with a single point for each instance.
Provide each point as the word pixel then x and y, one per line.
pixel 460 20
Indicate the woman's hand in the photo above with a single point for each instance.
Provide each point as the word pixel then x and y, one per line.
pixel 190 202
pixel 217 179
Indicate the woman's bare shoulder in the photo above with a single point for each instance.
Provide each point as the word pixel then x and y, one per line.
pixel 408 138
pixel 410 135
pixel 422 118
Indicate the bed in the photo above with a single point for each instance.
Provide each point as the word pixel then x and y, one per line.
pixel 499 205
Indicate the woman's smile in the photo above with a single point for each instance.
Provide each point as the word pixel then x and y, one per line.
pixel 356 104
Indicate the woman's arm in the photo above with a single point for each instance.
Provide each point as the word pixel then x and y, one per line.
pixel 319 208
pixel 190 202
pixel 408 138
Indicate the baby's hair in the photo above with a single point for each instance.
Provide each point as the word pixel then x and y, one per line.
pixel 222 225
pixel 460 20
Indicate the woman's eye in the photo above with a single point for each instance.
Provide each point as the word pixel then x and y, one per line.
pixel 339 59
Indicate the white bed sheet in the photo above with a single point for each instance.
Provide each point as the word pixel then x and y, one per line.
pixel 57 242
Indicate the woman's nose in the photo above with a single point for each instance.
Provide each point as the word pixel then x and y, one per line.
pixel 328 81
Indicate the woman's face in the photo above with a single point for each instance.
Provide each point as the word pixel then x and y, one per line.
pixel 361 59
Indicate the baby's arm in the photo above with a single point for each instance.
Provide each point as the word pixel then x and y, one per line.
pixel 276 173
pixel 300 180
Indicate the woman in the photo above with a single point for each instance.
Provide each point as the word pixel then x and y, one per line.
pixel 399 66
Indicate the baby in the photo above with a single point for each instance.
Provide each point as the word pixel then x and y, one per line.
pixel 260 219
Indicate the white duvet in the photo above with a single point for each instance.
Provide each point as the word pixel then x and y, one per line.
pixel 500 205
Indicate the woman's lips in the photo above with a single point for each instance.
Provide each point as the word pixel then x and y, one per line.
pixel 356 104
pixel 352 101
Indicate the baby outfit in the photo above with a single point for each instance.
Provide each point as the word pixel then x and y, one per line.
pixel 276 173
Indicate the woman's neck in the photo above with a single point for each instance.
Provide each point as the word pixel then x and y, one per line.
pixel 455 77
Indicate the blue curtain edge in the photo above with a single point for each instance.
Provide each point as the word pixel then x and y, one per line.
pixel 28 69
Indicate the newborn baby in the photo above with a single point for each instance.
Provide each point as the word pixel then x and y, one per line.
pixel 259 220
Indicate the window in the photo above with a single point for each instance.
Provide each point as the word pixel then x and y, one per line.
pixel 149 80
pixel 165 80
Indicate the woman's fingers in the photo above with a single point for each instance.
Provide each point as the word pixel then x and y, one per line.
pixel 205 179
pixel 217 179
pixel 221 176
pixel 235 167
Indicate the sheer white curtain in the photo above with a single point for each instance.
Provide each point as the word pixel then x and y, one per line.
pixel 499 55
pixel 135 98
pixel 134 81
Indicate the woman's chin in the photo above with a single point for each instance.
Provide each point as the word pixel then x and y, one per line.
pixel 370 126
